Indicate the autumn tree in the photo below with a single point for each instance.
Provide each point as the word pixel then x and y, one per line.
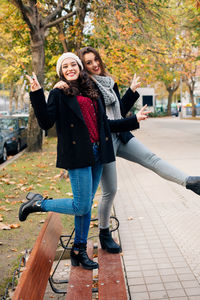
pixel 189 14
pixel 15 53
pixel 150 44
pixel 39 17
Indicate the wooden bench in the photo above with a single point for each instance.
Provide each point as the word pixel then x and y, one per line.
pixel 81 280
pixel 33 281
pixel 111 282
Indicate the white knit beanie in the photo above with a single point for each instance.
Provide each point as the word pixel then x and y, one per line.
pixel 67 55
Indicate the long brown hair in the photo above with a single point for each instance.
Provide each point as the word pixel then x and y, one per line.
pixel 89 49
pixel 82 86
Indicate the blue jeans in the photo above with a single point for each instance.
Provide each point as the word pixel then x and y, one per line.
pixel 84 182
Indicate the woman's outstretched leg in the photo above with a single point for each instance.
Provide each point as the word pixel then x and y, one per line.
pixel 136 152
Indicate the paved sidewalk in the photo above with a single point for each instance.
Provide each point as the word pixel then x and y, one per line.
pixel 160 220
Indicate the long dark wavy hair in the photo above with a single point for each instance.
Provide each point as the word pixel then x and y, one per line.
pixel 82 86
pixel 89 49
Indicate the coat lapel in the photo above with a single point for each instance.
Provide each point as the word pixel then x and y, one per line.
pixel 72 102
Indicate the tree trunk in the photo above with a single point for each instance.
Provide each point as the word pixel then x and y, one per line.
pixel 62 37
pixel 11 97
pixel 81 6
pixel 34 138
pixel 171 88
pixel 21 96
pixel 193 104
pixel 16 97
pixel 170 97
pixel 191 83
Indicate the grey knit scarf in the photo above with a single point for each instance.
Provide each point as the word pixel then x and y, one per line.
pixel 105 85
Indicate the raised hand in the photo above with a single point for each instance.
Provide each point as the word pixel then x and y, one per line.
pixel 61 85
pixel 34 84
pixel 135 84
pixel 142 114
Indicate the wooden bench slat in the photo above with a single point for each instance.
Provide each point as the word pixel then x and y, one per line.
pixel 33 281
pixel 80 280
pixel 111 284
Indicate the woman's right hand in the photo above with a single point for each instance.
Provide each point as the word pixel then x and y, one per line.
pixel 61 85
pixel 34 84
pixel 142 114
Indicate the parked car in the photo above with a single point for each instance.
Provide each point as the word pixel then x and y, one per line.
pixel 4 113
pixel 14 130
pixel 3 149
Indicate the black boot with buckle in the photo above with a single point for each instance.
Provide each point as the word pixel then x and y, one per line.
pixel 107 242
pixel 81 257
pixel 32 205
pixel 193 184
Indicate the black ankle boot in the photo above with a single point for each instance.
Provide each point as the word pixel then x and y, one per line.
pixel 32 205
pixel 107 242
pixel 193 183
pixel 82 257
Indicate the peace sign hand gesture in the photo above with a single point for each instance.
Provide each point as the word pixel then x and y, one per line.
pixel 135 83
pixel 34 84
pixel 142 114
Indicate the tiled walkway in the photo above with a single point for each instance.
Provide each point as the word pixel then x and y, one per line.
pixel 160 224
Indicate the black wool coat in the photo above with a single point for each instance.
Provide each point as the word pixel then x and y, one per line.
pixel 74 148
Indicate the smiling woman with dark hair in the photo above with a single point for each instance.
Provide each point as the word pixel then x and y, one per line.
pixel 84 146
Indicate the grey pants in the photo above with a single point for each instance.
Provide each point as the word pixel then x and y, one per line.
pixel 136 152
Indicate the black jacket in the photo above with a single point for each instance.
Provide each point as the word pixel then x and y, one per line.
pixel 127 101
pixel 74 148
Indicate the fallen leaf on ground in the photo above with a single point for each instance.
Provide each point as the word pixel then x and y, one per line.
pixel 14 250
pixel 10 196
pixel 14 226
pixel 15 202
pixel 4 208
pixel 4 226
pixel 29 188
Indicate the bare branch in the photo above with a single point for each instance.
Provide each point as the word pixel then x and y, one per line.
pixel 59 20
pixel 53 15
pixel 25 11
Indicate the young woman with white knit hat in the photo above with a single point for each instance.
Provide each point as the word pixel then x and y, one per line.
pixel 84 145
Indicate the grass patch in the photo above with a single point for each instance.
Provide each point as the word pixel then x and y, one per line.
pixel 34 172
